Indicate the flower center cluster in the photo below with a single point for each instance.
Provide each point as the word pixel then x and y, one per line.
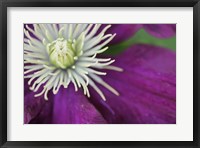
pixel 64 54
pixel 61 53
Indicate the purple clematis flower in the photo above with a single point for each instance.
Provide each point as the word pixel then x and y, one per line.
pixel 126 31
pixel 143 93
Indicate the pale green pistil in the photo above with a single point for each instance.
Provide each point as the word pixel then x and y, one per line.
pixel 61 53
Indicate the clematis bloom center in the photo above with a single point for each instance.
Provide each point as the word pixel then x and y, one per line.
pixel 61 53
pixel 66 54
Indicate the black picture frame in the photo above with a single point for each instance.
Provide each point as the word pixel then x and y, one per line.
pixel 4 4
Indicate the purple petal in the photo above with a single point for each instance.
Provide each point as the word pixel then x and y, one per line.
pixel 123 31
pixel 147 87
pixel 66 107
pixel 161 30
pixel 36 110
pixel 72 107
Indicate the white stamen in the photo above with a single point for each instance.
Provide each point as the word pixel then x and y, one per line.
pixel 65 54
pixel 112 68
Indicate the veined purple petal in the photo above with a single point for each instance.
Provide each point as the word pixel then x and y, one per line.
pixel 70 107
pixel 161 30
pixel 147 87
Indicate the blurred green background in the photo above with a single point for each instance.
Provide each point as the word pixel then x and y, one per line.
pixel 142 37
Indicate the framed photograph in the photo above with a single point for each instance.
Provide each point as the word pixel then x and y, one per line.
pixel 80 73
